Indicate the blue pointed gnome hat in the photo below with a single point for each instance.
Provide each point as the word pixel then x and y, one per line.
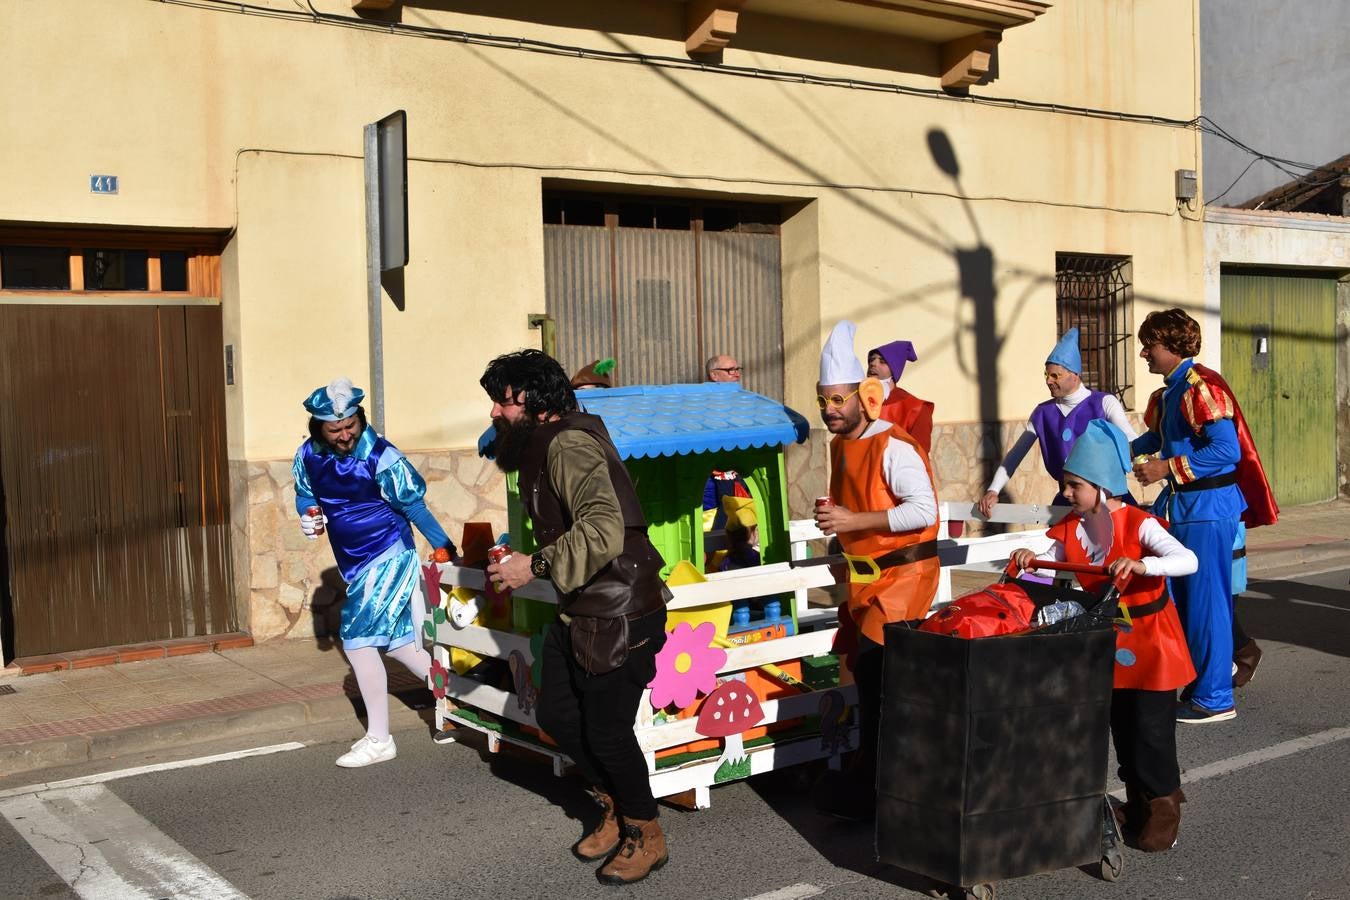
pixel 1066 353
pixel 335 402
pixel 1101 456
pixel 896 354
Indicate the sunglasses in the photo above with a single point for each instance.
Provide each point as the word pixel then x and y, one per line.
pixel 833 400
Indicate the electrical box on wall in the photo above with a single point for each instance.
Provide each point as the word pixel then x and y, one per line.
pixel 1185 184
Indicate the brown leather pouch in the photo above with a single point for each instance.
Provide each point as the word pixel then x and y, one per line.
pixel 599 645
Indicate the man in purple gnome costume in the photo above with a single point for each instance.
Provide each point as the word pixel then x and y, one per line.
pixel 1058 422
pixel 354 484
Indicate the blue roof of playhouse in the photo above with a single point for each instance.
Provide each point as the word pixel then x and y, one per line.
pixel 671 419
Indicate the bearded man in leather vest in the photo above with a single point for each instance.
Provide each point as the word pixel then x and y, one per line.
pixel 600 653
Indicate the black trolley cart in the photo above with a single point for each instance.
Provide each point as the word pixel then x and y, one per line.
pixel 993 752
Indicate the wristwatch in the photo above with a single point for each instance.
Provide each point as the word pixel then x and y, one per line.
pixel 539 566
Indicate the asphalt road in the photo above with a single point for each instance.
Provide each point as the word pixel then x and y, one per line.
pixel 1268 811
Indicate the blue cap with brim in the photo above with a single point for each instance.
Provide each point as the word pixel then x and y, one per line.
pixel 1101 456
pixel 335 402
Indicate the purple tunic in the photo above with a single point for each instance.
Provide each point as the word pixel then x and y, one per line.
pixel 1058 432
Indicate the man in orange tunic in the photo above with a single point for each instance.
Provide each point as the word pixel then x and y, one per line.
pixel 885 508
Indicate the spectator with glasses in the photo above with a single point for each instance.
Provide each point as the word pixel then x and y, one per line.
pixel 722 368
pixel 885 508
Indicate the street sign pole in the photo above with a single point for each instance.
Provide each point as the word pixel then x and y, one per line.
pixel 373 269
pixel 386 167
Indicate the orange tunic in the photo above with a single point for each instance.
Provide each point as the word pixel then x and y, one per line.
pixel 1162 662
pixel 858 483
pixel 912 414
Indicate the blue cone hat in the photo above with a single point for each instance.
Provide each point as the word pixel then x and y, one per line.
pixel 336 401
pixel 1101 456
pixel 1066 353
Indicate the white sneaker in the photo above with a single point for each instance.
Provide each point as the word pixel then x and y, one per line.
pixel 368 751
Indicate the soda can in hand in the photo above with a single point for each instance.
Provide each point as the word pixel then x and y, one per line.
pixel 317 515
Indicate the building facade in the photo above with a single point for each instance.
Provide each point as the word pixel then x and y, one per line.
pixel 662 180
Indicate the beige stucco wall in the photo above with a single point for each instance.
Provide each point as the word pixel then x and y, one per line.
pixel 252 125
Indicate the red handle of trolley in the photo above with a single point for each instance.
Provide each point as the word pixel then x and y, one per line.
pixel 1119 581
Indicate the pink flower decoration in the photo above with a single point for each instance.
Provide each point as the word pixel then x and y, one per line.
pixel 687 665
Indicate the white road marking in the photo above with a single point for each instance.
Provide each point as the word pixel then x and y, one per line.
pixel 105 850
pixel 1255 757
pixel 1315 603
pixel 102 777
pixel 791 892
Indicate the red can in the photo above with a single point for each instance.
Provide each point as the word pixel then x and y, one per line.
pixel 498 553
pixel 317 514
pixel 825 502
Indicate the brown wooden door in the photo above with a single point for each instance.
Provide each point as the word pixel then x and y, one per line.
pixel 112 463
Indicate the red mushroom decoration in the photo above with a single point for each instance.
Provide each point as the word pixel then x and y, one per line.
pixel 726 712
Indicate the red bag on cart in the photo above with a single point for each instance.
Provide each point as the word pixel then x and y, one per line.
pixel 997 609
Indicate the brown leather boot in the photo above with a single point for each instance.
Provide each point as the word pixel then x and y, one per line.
pixel 642 852
pixel 1159 831
pixel 604 837
pixel 1247 658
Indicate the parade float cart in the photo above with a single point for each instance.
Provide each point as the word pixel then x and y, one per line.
pixel 746 683
pixel 993 751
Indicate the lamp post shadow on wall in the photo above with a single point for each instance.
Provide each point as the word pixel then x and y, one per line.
pixel 975 280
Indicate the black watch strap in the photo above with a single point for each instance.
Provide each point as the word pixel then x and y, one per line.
pixel 540 566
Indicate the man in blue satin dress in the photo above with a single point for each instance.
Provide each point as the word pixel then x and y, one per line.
pixel 368 496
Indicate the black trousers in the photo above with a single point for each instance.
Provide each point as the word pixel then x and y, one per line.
pixel 867 672
pixel 591 716
pixel 1144 730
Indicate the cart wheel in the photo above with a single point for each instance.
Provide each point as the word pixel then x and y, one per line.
pixel 1111 865
pixel 980 892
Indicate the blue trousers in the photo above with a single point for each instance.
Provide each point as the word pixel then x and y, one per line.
pixel 1205 603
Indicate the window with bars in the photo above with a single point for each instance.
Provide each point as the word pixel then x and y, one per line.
pixel 1095 294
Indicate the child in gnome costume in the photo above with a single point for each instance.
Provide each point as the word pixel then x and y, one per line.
pixel 900 406
pixel 885 507
pixel 742 537
pixel 367 495
pixel 1152 660
pixel 598 374
pixel 1056 423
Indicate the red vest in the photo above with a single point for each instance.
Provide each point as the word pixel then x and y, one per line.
pixel 912 414
pixel 1161 659
pixel 857 483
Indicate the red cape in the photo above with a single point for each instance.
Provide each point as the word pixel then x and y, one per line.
pixel 1251 475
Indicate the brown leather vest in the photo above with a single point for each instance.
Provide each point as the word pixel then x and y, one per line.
pixel 627 586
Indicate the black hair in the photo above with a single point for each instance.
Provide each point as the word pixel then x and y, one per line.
pixel 547 388
pixel 316 426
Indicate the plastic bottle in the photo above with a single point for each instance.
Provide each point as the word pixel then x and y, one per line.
pixel 1057 612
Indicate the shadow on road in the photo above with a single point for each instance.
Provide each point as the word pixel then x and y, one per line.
pixel 1306 615
pixel 848 845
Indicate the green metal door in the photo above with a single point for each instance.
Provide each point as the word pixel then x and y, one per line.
pixel 1279 356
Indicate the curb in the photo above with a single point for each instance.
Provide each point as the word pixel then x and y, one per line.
pixel 1261 561
pixel 49 753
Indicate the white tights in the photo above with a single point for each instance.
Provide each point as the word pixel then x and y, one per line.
pixel 370 676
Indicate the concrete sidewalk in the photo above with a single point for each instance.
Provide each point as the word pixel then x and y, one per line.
pixel 77 716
